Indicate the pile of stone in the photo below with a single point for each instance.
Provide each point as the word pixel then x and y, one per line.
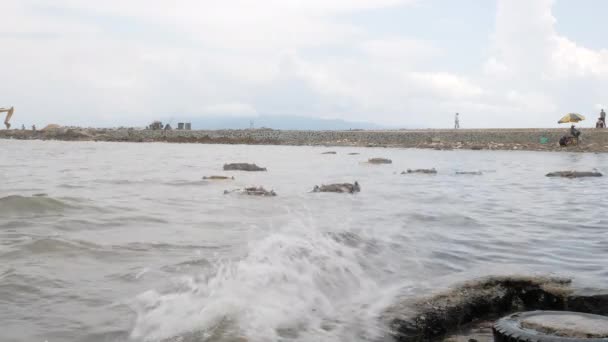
pixel 425 171
pixel 379 161
pixel 243 167
pixel 471 173
pixel 350 188
pixel 252 191
pixel 218 178
pixel 574 174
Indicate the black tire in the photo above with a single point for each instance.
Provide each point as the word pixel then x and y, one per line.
pixel 509 329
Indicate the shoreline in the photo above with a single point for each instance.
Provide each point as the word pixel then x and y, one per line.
pixel 527 139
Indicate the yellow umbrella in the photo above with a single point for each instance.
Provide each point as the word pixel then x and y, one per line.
pixel 571 117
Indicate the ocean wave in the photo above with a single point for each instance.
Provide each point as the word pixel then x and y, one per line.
pixel 47 245
pixel 186 183
pixel 298 284
pixel 22 205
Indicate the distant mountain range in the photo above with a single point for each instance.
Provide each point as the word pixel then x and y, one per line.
pixel 274 122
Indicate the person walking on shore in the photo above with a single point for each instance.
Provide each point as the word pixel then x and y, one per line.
pixel 457 121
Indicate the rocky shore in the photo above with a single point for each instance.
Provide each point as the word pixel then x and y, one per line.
pixel 593 140
pixel 467 312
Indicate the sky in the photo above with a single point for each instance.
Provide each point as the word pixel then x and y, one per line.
pixel 398 63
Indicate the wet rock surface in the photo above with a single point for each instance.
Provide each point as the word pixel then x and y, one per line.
pixel 252 191
pixel 424 171
pixel 453 314
pixel 350 188
pixel 574 174
pixel 218 178
pixel 243 167
pixel 379 161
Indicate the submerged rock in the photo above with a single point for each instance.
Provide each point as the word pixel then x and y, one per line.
pixel 474 173
pixel 574 174
pixel 218 177
pixel 379 161
pixel 354 154
pixel 329 152
pixel 252 191
pixel 243 167
pixel 427 171
pixel 338 187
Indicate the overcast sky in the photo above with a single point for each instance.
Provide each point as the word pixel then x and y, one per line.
pixel 408 63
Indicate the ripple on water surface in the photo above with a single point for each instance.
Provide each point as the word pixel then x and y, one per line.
pixel 22 205
pixel 132 245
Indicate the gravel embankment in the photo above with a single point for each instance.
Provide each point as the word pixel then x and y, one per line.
pixel 593 140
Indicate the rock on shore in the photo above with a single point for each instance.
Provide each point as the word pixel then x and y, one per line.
pixel 486 299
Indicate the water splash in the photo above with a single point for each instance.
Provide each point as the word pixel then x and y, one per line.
pixel 298 284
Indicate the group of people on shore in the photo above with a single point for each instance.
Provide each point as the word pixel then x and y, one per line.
pixel 575 134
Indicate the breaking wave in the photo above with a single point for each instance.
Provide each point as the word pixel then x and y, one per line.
pixel 21 205
pixel 296 284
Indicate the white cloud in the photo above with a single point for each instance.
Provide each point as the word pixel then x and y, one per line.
pixel 536 67
pixel 445 84
pixel 572 60
pixel 133 61
pixel 236 109
pixel 400 50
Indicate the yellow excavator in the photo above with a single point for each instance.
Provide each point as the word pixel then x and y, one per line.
pixel 9 114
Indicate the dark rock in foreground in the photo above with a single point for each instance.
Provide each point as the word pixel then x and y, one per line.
pixel 486 299
pixel 380 161
pixel 218 178
pixel 339 187
pixel 574 174
pixel 426 171
pixel 243 167
pixel 252 191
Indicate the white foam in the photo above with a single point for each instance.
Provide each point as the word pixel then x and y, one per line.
pixel 297 283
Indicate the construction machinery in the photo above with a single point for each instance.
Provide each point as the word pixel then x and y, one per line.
pixel 156 125
pixel 9 114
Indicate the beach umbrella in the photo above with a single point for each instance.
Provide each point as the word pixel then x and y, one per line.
pixel 571 117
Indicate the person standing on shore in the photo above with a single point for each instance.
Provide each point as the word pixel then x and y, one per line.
pixel 457 121
pixel 603 117
pixel 600 123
